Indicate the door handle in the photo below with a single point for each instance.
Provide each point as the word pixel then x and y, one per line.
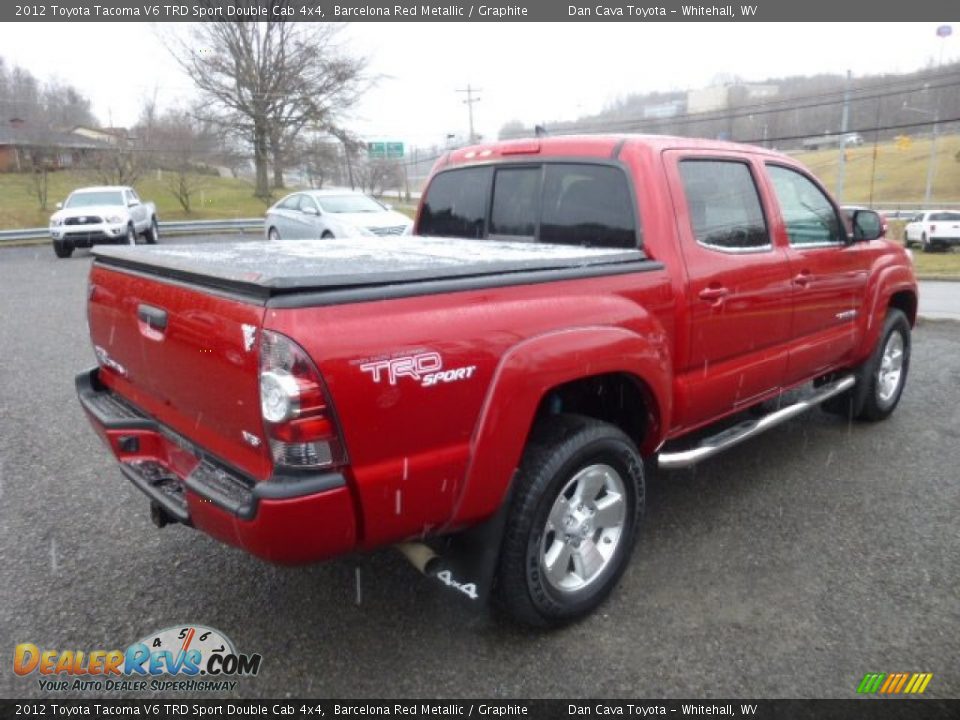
pixel 803 278
pixel 154 317
pixel 714 294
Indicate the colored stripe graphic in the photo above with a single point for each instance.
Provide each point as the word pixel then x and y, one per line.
pixel 894 683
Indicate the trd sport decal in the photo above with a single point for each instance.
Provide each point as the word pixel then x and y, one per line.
pixel 425 368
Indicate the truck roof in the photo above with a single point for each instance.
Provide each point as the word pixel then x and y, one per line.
pixel 606 146
pixel 267 268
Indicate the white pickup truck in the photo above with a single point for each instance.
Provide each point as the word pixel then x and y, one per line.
pixel 97 215
pixel 933 230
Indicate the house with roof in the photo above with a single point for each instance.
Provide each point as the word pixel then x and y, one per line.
pixel 24 146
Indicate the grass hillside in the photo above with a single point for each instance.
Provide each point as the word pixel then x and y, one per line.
pixel 900 175
pixel 219 198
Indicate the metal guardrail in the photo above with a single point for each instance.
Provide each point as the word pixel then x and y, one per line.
pixel 174 227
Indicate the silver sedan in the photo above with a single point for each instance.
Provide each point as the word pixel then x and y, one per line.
pixel 318 214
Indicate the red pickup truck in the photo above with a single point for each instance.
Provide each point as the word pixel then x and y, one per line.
pixel 488 395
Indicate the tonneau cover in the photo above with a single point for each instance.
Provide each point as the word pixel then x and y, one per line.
pixel 274 267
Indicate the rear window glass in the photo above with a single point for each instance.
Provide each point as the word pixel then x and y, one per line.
pixel 456 204
pixel 587 205
pixel 558 203
pixel 516 201
pixel 945 216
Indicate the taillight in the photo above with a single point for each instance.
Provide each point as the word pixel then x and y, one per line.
pixel 296 409
pixel 933 228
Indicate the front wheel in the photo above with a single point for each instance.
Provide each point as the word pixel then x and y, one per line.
pixel 273 235
pixel 573 521
pixel 131 235
pixel 886 370
pixel 62 249
pixel 881 377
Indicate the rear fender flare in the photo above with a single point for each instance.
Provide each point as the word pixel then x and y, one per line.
pixel 531 369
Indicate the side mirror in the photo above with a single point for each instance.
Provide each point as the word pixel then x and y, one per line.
pixel 59 206
pixel 388 206
pixel 311 210
pixel 867 225
pixel 132 203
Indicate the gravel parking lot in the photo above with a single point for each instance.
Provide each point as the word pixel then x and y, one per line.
pixel 789 567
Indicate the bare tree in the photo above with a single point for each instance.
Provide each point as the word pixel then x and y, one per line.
pixel 118 165
pixel 181 148
pixel 321 160
pixel 268 80
pixel 375 176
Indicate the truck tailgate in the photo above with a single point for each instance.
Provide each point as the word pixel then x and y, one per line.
pixel 185 357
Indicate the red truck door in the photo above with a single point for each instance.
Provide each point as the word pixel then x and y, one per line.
pixel 738 289
pixel 829 274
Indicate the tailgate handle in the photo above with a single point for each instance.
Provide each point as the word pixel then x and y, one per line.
pixel 155 317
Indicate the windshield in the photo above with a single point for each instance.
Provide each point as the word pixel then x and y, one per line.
pixel 348 204
pixel 88 199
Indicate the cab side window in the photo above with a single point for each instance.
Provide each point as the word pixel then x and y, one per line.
pixel 291 203
pixel 810 218
pixel 724 205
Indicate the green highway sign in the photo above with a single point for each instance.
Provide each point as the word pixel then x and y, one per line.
pixel 385 150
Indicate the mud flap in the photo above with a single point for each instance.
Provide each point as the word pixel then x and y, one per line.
pixel 467 562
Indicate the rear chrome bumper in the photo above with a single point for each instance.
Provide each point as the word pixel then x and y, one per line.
pixel 287 519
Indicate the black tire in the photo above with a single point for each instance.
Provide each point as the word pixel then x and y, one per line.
pixel 327 235
pixel 866 400
pixel 62 249
pixel 131 236
pixel 273 234
pixel 906 239
pixel 152 235
pixel 925 244
pixel 561 449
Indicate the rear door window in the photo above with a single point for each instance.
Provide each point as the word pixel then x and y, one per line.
pixel 724 205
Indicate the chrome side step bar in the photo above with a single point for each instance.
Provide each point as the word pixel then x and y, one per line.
pixel 735 435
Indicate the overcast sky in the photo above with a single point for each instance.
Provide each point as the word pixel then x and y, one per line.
pixel 531 72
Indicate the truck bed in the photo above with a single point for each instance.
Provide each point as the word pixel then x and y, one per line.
pixel 266 269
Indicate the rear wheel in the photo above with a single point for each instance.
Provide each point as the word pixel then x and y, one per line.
pixel 273 234
pixel 62 249
pixel 327 235
pixel 573 521
pixel 925 243
pixel 153 233
pixel 906 239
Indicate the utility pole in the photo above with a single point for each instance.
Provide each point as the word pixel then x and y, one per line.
pixel 469 103
pixel 843 139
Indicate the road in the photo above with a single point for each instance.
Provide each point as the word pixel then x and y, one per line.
pixel 789 567
pixel 940 300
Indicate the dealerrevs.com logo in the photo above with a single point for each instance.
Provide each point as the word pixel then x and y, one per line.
pixel 184 658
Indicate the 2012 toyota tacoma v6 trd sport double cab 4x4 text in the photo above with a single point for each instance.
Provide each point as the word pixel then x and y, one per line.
pixel 487 395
